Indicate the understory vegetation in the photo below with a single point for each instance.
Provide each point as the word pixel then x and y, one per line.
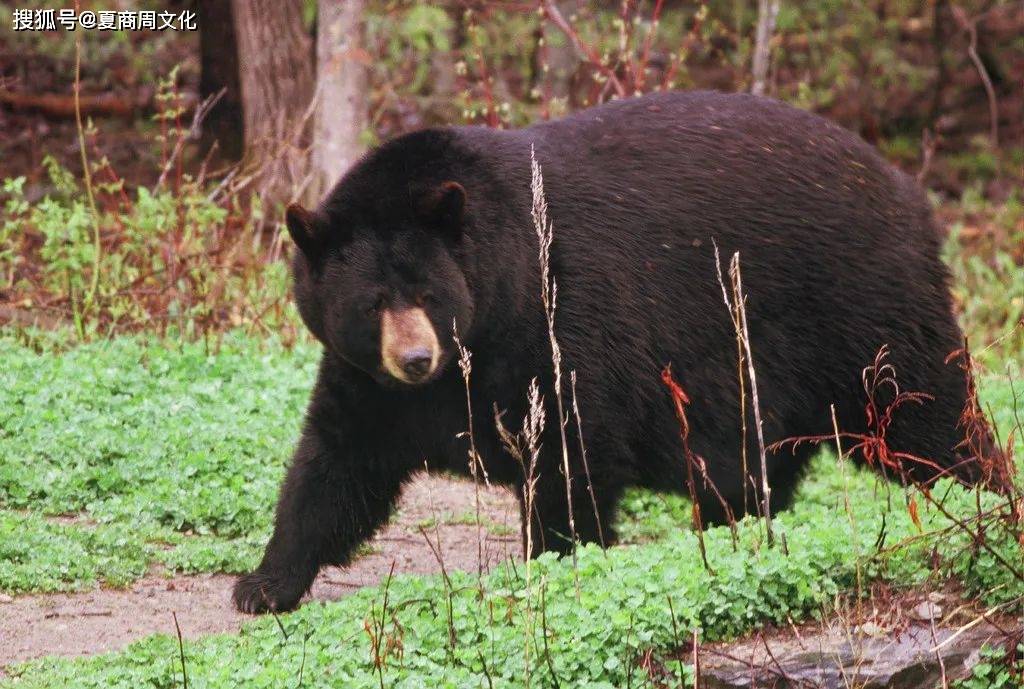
pixel 145 421
pixel 128 453
pixel 174 454
pixel 456 631
pixel 150 424
pixel 153 372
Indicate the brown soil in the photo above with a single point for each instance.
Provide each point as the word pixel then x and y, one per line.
pixel 72 624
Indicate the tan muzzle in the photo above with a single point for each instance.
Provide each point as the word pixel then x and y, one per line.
pixel 409 349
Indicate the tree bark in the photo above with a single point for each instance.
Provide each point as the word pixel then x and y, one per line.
pixel 275 60
pixel 767 10
pixel 341 115
pixel 218 57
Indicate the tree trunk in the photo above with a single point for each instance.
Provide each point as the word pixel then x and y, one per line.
pixel 767 10
pixel 275 61
pixel 219 71
pixel 341 113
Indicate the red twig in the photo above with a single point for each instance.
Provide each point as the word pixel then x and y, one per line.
pixel 995 464
pixel 873 445
pixel 679 402
pixel 645 53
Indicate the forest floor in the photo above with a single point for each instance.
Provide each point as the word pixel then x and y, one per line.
pixel 127 460
pixel 434 512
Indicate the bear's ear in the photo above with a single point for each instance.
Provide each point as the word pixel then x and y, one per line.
pixel 443 207
pixel 305 229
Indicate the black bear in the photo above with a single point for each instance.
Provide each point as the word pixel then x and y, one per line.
pixel 432 232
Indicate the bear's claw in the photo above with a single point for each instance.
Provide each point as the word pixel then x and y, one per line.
pixel 258 593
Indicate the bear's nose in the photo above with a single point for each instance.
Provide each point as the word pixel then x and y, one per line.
pixel 416 362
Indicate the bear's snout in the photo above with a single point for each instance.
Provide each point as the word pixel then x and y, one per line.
pixel 409 347
pixel 416 362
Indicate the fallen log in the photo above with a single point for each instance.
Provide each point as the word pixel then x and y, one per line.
pixel 97 105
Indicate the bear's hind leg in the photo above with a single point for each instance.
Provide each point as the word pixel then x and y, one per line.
pixel 550 529
pixel 785 469
pixel 788 467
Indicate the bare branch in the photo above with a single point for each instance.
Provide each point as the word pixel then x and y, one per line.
pixel 970 25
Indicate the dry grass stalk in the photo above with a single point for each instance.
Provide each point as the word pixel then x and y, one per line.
pixel 200 113
pixel 437 549
pixel 679 648
pixel 476 464
pixel 944 684
pixel 449 591
pixel 549 295
pixel 734 316
pixel 730 516
pixel 87 178
pixel 544 633
pixel 181 650
pixel 382 644
pixel 525 448
pixel 696 658
pixel 841 460
pixel 583 458
pixel 738 312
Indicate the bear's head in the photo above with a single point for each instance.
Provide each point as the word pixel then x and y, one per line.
pixel 378 276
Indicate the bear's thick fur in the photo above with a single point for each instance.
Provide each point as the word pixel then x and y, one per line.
pixel 839 256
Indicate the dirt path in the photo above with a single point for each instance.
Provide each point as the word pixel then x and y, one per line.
pixel 103 620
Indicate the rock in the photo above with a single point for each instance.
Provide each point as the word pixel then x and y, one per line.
pixel 927 611
pixel 4 598
pixel 840 658
pixel 869 628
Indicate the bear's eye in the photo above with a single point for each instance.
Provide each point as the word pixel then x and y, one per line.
pixel 375 306
pixel 426 298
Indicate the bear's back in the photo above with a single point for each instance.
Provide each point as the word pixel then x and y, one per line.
pixel 735 152
pixel 838 249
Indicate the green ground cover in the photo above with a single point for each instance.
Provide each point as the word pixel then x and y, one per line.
pixel 173 455
pixel 433 632
pixel 116 455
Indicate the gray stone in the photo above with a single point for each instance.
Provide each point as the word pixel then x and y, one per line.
pixel 927 611
pixel 841 658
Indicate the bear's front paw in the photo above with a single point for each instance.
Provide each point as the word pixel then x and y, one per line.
pixel 257 593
